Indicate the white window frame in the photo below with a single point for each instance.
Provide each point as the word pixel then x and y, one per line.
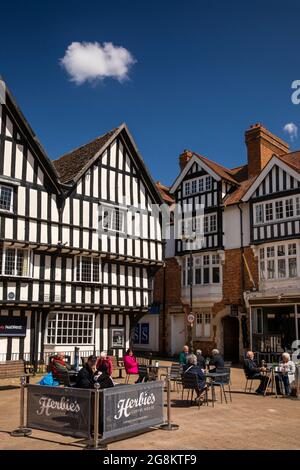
pixel 270 255
pixel 27 258
pixel 113 211
pixel 78 268
pixel 11 199
pixel 203 323
pixel 206 261
pixel 208 226
pixel 198 185
pixel 76 318
pixel 264 208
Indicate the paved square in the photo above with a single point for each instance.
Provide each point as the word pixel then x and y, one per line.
pixel 249 422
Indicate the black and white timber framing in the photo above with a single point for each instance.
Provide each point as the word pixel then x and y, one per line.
pixel 53 221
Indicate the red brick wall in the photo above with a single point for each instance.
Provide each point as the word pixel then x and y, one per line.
pixel 233 271
pixel 173 283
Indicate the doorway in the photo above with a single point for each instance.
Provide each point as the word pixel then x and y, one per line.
pixel 231 338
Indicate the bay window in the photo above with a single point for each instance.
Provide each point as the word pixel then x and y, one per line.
pixel 206 270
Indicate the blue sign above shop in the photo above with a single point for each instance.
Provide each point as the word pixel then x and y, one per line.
pixel 12 326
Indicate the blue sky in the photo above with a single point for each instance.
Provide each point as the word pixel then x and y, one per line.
pixel 204 72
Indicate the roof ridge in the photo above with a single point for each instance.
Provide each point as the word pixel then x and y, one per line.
pixel 87 143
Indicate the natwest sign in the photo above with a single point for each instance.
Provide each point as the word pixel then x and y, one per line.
pixel 12 326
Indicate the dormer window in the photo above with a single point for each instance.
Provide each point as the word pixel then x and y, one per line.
pixel 6 198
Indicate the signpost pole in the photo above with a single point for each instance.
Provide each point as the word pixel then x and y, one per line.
pixel 22 431
pixel 169 426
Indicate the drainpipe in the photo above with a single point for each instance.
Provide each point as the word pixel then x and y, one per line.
pixel 242 247
pixel 164 318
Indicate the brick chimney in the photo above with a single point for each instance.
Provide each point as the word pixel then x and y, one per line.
pixel 261 146
pixel 184 158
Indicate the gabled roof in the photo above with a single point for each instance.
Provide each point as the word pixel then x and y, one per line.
pixel 34 142
pixel 74 164
pixel 218 172
pixel 69 165
pixel 283 163
pixel 222 171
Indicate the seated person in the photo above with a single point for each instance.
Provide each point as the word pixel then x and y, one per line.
pixel 287 370
pixel 216 360
pixel 184 355
pixel 193 368
pixel 104 364
pixel 58 366
pixel 86 376
pixel 132 367
pixel 200 359
pixel 253 372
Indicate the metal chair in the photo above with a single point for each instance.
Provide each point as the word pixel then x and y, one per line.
pixel 222 381
pixel 175 374
pixel 190 384
pixel 249 379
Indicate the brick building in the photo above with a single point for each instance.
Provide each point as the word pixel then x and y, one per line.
pixel 245 275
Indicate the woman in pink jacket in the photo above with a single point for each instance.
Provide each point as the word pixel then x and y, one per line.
pixel 132 367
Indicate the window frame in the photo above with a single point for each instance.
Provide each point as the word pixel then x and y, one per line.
pixel 78 269
pixel 279 258
pixel 10 210
pixel 114 212
pixel 73 320
pixel 26 259
pixel 282 209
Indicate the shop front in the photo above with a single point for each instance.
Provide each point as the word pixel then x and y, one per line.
pixel 274 326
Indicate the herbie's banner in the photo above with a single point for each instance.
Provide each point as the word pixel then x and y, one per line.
pixel 131 408
pixel 60 410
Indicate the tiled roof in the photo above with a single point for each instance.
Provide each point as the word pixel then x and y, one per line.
pixel 164 192
pixel 69 165
pixel 292 159
pixel 222 171
pixel 237 195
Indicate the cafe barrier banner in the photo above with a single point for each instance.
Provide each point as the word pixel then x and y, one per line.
pixel 61 410
pixel 130 408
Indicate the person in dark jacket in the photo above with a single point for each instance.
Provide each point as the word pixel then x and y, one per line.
pixel 193 368
pixel 200 359
pixel 254 372
pixel 216 360
pixel 86 376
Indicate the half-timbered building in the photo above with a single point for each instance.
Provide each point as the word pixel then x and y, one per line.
pixel 246 271
pixel 80 242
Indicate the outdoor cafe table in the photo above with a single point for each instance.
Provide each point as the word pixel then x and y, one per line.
pixel 212 376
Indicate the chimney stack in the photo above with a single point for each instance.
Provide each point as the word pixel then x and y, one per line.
pixel 184 158
pixel 261 146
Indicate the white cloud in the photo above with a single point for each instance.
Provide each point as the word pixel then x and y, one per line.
pixel 292 130
pixel 90 61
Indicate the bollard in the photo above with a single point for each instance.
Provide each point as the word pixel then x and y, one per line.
pixel 96 445
pixel 22 431
pixel 168 426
